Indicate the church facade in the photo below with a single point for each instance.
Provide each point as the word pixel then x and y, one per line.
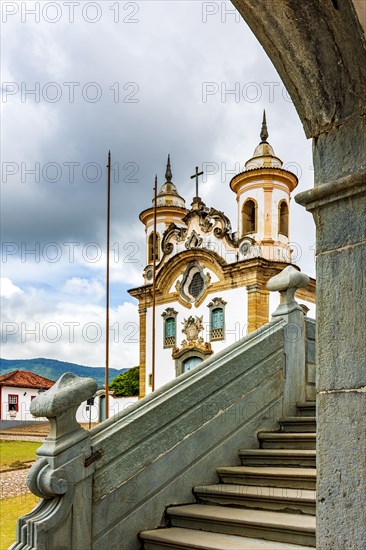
pixel 210 278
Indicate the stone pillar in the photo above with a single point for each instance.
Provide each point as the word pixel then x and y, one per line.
pixel 258 307
pixel 287 282
pixel 62 473
pixel 339 210
pixel 142 368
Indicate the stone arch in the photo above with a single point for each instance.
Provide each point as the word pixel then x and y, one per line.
pixel 319 51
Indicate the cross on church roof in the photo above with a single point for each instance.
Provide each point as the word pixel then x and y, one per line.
pixel 196 176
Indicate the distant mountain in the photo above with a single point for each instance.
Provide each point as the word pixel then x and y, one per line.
pixel 52 369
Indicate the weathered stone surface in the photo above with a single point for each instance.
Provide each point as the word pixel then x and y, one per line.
pixel 341 456
pixel 342 319
pixel 60 475
pixel 287 282
pixel 176 438
pixel 310 327
pixel 340 207
pixel 323 69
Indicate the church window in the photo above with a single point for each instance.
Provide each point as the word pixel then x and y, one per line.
pixel 249 217
pixel 217 324
pixel 194 282
pixel 151 248
pixel 169 339
pixel 170 327
pixel 196 286
pixel 217 314
pixel 283 218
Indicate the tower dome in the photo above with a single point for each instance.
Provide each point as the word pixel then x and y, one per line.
pixel 264 155
pixel 168 194
pixel 170 209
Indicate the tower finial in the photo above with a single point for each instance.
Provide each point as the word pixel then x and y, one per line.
pixel 264 131
pixel 168 173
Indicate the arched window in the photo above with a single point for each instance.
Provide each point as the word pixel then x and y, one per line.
pixel 170 327
pixel 249 217
pixel 151 248
pixel 283 218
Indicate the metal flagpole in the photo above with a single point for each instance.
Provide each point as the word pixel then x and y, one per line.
pixel 107 290
pixel 154 286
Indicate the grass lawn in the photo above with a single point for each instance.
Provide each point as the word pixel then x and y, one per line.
pixel 15 453
pixel 10 510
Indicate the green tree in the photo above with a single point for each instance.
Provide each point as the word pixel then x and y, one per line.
pixel 126 384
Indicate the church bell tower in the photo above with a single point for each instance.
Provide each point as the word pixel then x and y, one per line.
pixel 170 208
pixel 263 196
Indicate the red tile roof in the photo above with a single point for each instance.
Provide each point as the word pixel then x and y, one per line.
pixel 25 379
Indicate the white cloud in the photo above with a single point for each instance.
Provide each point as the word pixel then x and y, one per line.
pixel 8 289
pixel 85 287
pixel 49 324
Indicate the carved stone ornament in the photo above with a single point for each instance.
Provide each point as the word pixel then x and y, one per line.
pixel 149 273
pixel 169 312
pixel 286 283
pixel 173 233
pixel 194 241
pixel 192 327
pixel 217 302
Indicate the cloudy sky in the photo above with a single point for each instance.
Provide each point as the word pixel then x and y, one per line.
pixel 143 79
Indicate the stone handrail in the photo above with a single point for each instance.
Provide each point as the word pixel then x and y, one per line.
pixel 286 283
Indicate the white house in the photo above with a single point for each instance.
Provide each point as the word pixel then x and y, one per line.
pixel 17 391
pixel 20 387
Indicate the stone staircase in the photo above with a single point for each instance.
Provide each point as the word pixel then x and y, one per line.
pixel 267 503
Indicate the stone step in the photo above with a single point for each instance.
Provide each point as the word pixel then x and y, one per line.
pixel 295 478
pixel 263 498
pixel 306 408
pixel 278 457
pixel 176 538
pixel 283 440
pixel 298 424
pixel 273 526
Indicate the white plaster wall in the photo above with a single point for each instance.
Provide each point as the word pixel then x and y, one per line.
pixel 277 196
pixel 24 402
pixel 236 319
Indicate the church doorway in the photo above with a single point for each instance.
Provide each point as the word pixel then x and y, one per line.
pixel 191 362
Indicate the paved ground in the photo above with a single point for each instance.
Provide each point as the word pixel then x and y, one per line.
pixel 5 424
pixel 13 484
pixel 10 437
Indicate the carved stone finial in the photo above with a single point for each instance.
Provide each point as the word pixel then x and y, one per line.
pixel 59 404
pixel 168 173
pixel 287 282
pixel 264 131
pixel 69 391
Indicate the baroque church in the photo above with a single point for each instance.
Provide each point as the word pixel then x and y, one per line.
pixel 205 278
